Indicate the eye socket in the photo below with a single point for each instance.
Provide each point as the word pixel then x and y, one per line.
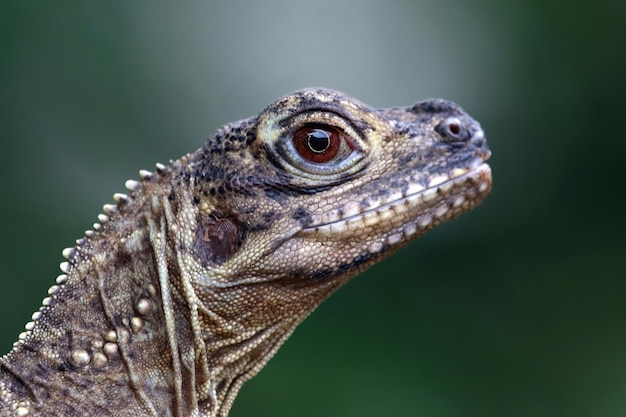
pixel 317 144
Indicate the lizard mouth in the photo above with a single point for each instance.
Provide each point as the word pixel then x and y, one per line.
pixel 406 213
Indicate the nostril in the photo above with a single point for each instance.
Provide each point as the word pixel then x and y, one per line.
pixel 453 129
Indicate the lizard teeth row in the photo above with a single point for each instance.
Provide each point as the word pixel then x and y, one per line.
pixel 394 212
pixel 438 184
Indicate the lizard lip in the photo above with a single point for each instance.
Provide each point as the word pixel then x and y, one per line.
pixel 416 209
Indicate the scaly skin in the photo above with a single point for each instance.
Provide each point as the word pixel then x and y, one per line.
pixel 193 281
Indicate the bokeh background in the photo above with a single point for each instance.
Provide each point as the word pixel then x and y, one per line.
pixel 515 309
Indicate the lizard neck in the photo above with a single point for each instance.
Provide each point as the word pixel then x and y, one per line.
pixel 135 320
pixel 224 325
pixel 99 330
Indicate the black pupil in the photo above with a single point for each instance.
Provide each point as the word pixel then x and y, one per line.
pixel 318 140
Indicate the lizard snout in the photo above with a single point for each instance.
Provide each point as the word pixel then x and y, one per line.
pixel 460 133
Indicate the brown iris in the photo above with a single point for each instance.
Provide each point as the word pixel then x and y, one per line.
pixel 318 144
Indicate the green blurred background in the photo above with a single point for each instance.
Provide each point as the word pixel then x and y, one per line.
pixel 515 309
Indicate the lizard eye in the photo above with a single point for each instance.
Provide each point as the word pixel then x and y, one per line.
pixel 318 144
pixel 320 149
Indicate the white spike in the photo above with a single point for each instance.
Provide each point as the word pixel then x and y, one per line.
pixel 36 315
pixel 65 266
pixel 131 185
pixel 30 325
pixel 97 226
pixel 109 209
pixel 160 167
pixel 61 279
pixel 80 242
pixel 120 198
pixel 145 175
pixel 53 290
pixel 46 301
pixel 22 336
pixel 68 252
pixel 103 218
pixel 88 233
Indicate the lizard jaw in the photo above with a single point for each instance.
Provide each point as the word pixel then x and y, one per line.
pixel 405 215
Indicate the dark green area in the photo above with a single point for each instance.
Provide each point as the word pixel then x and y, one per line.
pixel 515 309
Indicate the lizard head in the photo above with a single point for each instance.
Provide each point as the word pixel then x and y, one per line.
pixel 290 204
pixel 319 186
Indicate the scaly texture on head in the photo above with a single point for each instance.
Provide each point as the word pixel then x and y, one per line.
pixel 189 285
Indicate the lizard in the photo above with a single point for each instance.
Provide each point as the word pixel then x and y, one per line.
pixel 191 281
